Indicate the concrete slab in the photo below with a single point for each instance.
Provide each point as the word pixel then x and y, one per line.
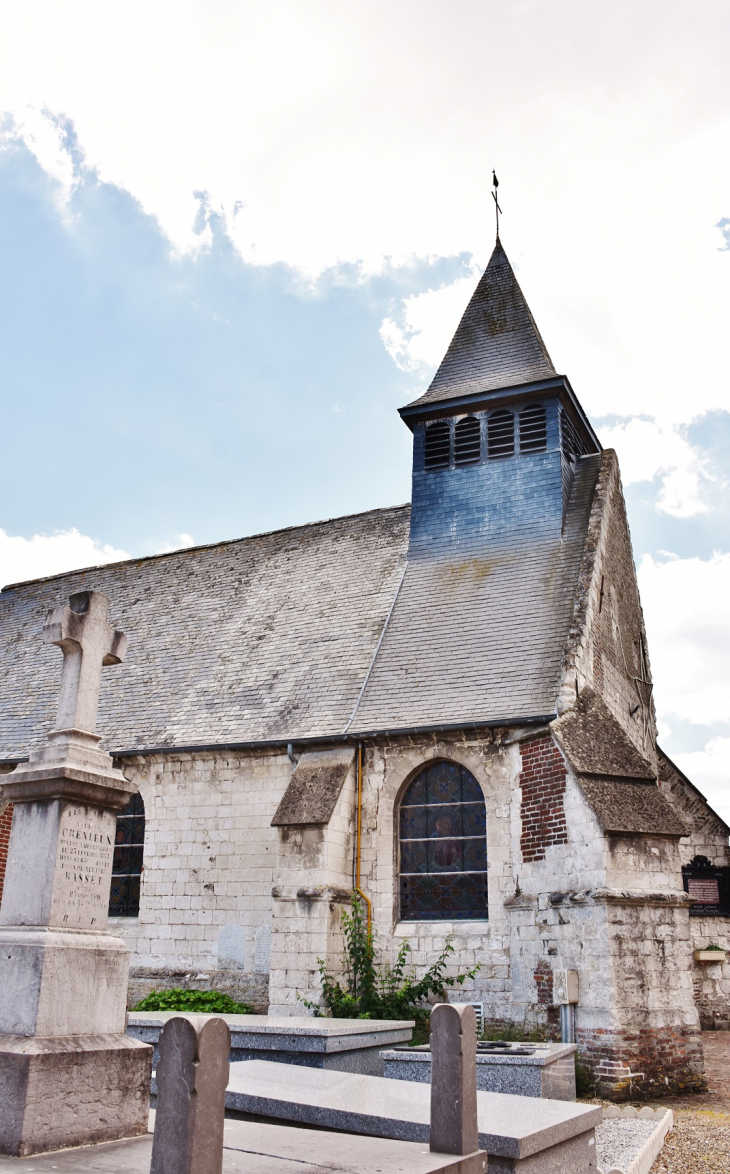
pixel 347 1045
pixel 258 1149
pixel 510 1127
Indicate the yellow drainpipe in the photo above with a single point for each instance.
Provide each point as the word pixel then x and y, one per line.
pixel 358 890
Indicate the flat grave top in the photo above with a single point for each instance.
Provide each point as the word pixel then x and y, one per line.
pixel 253 1148
pixel 282 1024
pixel 509 1126
pixel 537 1055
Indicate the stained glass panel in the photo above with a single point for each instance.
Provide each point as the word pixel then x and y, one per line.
pixel 443 846
pixel 128 860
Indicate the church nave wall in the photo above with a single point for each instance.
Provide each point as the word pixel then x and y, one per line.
pixel 209 864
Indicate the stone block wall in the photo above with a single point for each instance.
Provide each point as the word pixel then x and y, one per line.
pixel 607 648
pixel 709 838
pixel 209 867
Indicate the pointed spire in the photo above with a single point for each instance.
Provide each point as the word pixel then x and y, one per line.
pixel 496 344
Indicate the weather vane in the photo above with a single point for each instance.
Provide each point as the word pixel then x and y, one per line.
pixel 497 209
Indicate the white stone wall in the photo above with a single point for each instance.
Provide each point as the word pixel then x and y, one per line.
pixel 313 885
pixel 209 864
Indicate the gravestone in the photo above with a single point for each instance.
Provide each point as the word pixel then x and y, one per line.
pixel 454 1128
pixel 68 1074
pixel 192 1076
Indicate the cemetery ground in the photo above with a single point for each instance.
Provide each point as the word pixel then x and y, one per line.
pixel 700 1140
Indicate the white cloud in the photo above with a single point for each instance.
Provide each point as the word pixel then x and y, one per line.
pixel 646 449
pixel 179 543
pixel 367 131
pixel 688 625
pixel 51 554
pixel 427 324
pixel 709 770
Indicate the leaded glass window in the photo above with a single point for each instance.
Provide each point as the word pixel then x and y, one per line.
pixel 128 856
pixel 443 846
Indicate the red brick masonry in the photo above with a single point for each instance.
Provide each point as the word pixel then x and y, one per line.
pixel 543 786
pixel 648 1062
pixel 6 818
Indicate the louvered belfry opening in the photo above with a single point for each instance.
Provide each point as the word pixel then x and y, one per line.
pixel 501 434
pixel 437 446
pixel 467 441
pixel 573 446
pixel 533 428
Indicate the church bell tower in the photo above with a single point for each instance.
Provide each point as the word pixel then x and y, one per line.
pixel 498 434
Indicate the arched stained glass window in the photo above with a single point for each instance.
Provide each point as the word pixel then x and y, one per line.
pixel 443 846
pixel 128 857
pixel 467 441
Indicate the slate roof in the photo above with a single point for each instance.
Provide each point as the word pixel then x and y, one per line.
pixel 476 639
pixel 274 638
pixel 265 638
pixel 496 344
pixel 596 744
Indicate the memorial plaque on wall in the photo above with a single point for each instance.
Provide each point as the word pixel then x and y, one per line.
pixel 83 869
pixel 709 888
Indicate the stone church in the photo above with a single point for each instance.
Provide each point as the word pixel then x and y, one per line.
pixel 446 705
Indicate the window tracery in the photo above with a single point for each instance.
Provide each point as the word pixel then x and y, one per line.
pixel 443 846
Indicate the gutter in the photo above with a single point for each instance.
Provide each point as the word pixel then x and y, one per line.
pixel 351 739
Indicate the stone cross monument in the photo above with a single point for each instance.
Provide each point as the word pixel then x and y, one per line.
pixel 68 1074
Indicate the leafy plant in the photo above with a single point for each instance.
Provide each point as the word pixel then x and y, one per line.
pixel 205 1002
pixel 374 989
pixel 713 947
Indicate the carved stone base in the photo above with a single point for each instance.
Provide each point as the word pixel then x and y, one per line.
pixel 71 1091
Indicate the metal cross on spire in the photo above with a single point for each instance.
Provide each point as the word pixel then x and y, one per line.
pixel 497 209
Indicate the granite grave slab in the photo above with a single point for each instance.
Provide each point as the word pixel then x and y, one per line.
pixel 521 1134
pixel 344 1045
pixel 528 1070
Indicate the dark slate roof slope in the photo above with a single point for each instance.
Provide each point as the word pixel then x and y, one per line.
pixel 496 344
pixel 264 638
pixel 481 639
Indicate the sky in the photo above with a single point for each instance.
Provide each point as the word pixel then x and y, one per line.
pixel 236 237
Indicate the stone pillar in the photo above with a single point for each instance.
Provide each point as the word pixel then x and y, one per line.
pixel 192 1077
pixel 68 1074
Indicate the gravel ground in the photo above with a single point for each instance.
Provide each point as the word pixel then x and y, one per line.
pixel 619 1141
pixel 698 1144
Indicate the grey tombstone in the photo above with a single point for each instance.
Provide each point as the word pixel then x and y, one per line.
pixel 454 1127
pixel 68 1075
pixel 192 1076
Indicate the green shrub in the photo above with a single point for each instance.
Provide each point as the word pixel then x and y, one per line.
pixel 373 989
pixel 202 1002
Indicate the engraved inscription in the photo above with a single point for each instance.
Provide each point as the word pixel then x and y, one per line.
pixel 83 868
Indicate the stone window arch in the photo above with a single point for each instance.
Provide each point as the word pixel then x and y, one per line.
pixel 443 846
pixel 128 860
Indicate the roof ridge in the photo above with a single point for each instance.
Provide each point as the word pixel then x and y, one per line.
pixel 181 550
